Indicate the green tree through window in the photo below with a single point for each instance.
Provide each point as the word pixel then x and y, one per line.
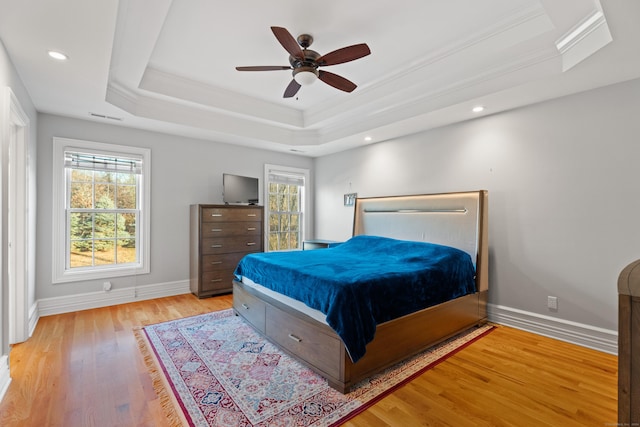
pixel 102 217
pixel 285 210
pixel 284 217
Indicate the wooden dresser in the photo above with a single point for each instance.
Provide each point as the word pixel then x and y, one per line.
pixel 220 236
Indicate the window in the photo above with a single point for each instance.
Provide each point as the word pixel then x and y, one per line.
pixel 285 196
pixel 101 200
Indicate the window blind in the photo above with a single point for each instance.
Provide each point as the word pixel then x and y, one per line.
pixel 286 178
pixel 103 163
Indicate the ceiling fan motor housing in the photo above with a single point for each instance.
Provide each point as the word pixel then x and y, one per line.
pixel 310 57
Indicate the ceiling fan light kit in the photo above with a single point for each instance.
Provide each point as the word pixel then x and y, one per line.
pixel 305 75
pixel 305 62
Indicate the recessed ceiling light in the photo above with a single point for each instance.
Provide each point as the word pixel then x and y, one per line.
pixel 368 138
pixel 58 55
pixel 478 109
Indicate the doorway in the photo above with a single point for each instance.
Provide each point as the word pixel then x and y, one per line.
pixel 16 238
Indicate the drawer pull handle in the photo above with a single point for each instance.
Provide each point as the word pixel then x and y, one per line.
pixel 216 262
pixel 216 280
pixel 251 214
pixel 295 338
pixel 250 243
pixel 216 214
pixel 216 230
pixel 251 229
pixel 245 306
pixel 216 246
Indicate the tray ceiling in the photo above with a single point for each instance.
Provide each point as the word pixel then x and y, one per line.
pixel 169 65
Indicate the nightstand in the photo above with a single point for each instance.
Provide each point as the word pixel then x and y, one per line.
pixel 311 244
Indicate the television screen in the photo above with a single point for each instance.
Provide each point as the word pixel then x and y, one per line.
pixel 239 189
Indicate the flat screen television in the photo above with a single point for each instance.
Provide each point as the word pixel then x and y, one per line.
pixel 239 189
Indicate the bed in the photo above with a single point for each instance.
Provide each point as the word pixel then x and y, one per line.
pixel 455 222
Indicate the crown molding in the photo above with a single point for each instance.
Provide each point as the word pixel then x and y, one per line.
pixel 453 74
pixel 216 123
pixel 233 103
pixel 517 26
pixel 582 41
pixel 425 98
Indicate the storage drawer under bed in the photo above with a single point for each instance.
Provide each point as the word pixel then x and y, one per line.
pixel 304 339
pixel 249 307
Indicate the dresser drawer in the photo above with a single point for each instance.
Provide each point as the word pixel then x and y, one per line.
pixel 225 229
pixel 217 280
pixel 231 244
pixel 249 307
pixel 221 262
pixel 299 337
pixel 230 214
pixel 219 236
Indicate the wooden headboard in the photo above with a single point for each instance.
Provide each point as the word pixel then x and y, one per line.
pixel 459 220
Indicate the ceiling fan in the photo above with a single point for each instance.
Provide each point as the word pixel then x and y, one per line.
pixel 305 62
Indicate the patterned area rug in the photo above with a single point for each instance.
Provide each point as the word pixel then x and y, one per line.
pixel 216 370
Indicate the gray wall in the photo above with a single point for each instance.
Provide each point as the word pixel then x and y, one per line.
pixel 564 195
pixel 184 171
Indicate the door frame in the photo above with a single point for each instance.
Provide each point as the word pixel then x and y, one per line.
pixel 15 148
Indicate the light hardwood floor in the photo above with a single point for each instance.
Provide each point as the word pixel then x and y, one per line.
pixel 84 369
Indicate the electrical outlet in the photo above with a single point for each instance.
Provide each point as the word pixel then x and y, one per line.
pixel 552 303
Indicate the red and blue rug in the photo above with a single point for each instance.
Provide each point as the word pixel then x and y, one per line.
pixel 216 370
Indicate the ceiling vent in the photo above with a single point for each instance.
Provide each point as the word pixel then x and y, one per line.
pixel 102 116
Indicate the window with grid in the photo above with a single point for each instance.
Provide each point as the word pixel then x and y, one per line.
pixel 285 209
pixel 102 209
pixel 102 216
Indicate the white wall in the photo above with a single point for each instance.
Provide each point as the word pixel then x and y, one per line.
pixel 184 171
pixel 564 196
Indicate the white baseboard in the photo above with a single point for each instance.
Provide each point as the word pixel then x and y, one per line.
pixel 605 340
pixel 5 377
pixel 34 316
pixel 70 303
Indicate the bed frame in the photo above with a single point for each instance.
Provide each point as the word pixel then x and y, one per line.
pixel 453 219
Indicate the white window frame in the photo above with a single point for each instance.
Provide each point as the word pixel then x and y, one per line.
pixel 304 206
pixel 60 272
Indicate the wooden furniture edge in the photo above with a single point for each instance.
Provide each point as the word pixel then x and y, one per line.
pixel 629 345
pixel 395 340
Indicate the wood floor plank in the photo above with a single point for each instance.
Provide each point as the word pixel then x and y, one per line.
pixel 85 369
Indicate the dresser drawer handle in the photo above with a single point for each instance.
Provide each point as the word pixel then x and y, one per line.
pixel 251 229
pixel 216 280
pixel 295 338
pixel 251 214
pixel 245 306
pixel 216 214
pixel 216 246
pixel 216 230
pixel 250 243
pixel 216 262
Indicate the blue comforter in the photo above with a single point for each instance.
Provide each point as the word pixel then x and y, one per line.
pixel 364 281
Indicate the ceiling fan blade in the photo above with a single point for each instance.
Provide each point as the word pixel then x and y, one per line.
pixel 336 81
pixel 288 42
pixel 264 68
pixel 292 89
pixel 345 54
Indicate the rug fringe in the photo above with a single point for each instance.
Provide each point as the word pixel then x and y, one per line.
pixel 168 402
